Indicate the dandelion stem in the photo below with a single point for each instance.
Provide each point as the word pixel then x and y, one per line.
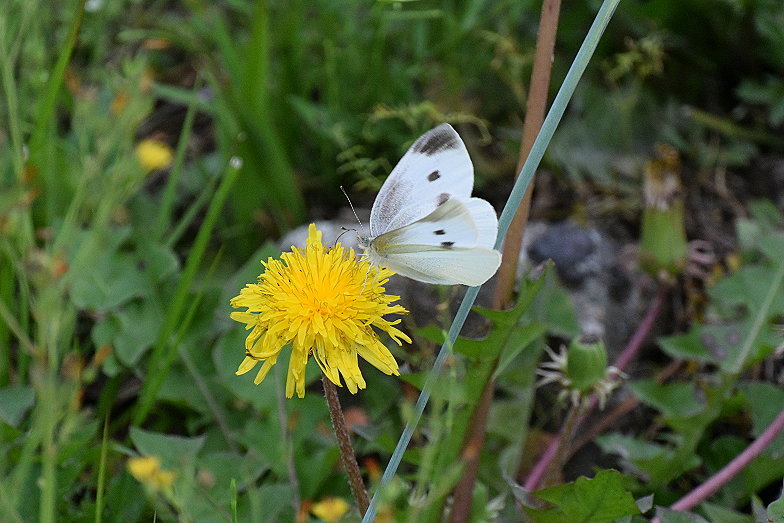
pixel 553 474
pixel 344 443
pixel 733 468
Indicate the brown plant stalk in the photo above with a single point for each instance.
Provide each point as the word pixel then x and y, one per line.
pixel 347 455
pixel 536 107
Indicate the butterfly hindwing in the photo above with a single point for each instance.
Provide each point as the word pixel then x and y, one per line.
pixel 452 244
pixel 435 169
pixel 470 267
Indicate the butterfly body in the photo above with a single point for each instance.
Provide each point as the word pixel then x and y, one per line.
pixel 424 223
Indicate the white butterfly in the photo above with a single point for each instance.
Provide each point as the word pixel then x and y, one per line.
pixel 424 223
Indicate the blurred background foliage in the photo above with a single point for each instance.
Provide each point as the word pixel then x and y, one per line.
pixel 116 267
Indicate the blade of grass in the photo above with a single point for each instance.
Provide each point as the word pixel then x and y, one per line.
pixel 518 192
pixel 49 98
pixel 191 213
pixel 201 383
pixel 760 319
pixel 100 487
pixel 161 358
pixel 169 192
pixel 536 107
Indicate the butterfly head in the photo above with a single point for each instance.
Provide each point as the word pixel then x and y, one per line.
pixel 364 241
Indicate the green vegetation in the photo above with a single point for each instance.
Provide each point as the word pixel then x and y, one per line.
pixel 151 153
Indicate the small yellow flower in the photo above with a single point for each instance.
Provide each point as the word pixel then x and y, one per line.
pixel 154 154
pixel 322 302
pixel 147 470
pixel 330 509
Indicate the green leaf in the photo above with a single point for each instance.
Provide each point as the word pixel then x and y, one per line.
pixel 225 466
pixel 656 463
pixel 111 280
pixel 747 287
pixel 673 399
pixel 776 509
pixel 764 412
pixel 15 400
pixel 676 516
pixel 139 323
pixel 723 514
pixel 602 498
pixel 524 337
pixel 687 346
pixel 158 261
pixel 171 450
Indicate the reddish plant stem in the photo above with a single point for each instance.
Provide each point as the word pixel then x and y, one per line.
pixel 627 355
pixel 552 476
pixel 536 107
pixel 347 455
pixel 731 469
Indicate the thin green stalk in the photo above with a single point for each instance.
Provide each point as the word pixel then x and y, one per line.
pixel 49 412
pixel 518 191
pixel 10 322
pixel 7 286
pixel 190 366
pixel 49 98
pixel 167 201
pixel 761 317
pixel 12 105
pixel 287 441
pixel 100 487
pixel 190 214
pixel 161 359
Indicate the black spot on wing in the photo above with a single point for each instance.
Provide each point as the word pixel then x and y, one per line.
pixel 435 141
pixel 442 198
pixel 433 176
pixel 447 245
pixel 439 232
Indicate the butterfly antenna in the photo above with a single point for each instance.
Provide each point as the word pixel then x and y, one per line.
pixel 345 230
pixel 352 209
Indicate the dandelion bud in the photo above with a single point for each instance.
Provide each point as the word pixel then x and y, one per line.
pixel 586 363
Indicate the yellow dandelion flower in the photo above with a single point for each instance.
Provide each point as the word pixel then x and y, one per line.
pixel 322 302
pixel 330 509
pixel 147 470
pixel 154 154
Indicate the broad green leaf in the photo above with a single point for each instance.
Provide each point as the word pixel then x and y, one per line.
pixel 15 400
pixel 111 279
pixel 602 498
pixel 139 325
pixel 747 287
pixel 716 512
pixel 158 261
pixel 766 402
pixel 672 399
pixel 654 462
pixel 222 467
pixel 687 346
pixel 675 516
pixel 776 509
pixel 172 450
pixel 766 214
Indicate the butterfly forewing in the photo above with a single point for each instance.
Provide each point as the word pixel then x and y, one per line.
pixel 453 244
pixel 433 170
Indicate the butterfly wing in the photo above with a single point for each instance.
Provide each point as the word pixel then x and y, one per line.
pixel 451 245
pixel 434 169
